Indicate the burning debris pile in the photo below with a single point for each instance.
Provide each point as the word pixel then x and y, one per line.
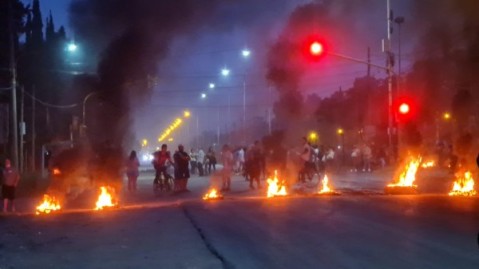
pixel 428 164
pixel 405 183
pixel 276 187
pixel 213 194
pixel 106 199
pixel 325 188
pixel 463 186
pixel 48 204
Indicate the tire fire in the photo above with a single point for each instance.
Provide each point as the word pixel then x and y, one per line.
pixel 212 194
pixel 463 186
pixel 405 183
pixel 48 205
pixel 428 164
pixel 275 187
pixel 325 189
pixel 105 199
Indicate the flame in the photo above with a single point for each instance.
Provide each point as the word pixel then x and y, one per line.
pixel 428 164
pixel 325 188
pixel 212 194
pixel 105 198
pixel 48 204
pixel 464 186
pixel 56 171
pixel 276 188
pixel 408 176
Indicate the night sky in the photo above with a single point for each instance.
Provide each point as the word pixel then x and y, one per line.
pixel 196 61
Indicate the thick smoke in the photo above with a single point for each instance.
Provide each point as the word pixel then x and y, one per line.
pixel 288 60
pixel 447 61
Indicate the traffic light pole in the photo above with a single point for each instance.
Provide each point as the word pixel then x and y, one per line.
pixel 13 70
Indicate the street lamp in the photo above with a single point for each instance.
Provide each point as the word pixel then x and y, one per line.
pixel 446 116
pixel 84 105
pixel 211 85
pixel 225 72
pixel 245 53
pixel 72 47
pixel 203 95
pixel 186 114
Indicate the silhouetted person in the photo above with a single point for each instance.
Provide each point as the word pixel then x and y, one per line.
pixel 9 185
pixel 132 170
pixel 182 173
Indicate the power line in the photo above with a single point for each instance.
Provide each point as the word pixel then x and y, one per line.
pixel 48 104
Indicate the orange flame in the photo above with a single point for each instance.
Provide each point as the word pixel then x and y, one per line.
pixel 48 205
pixel 212 194
pixel 428 164
pixel 325 188
pixel 105 198
pixel 56 171
pixel 464 186
pixel 275 187
pixel 408 176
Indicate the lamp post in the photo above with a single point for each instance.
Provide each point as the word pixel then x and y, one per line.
pixel 84 106
pixel 246 53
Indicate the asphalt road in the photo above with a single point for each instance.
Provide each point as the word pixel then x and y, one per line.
pixel 246 230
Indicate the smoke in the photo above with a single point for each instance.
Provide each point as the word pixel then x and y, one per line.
pixel 288 58
pixel 448 57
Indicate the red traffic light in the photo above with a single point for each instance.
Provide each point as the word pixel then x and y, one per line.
pixel 404 108
pixel 316 48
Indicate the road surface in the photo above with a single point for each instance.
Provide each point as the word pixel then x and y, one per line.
pixel 245 230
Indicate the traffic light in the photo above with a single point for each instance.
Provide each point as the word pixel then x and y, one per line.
pixel 404 108
pixel 313 48
pixel 316 48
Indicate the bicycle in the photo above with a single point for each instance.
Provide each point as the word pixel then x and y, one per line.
pixel 163 183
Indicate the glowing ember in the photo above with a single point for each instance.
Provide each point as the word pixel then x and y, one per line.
pixel 428 164
pixel 212 194
pixel 105 199
pixel 464 186
pixel 275 187
pixel 408 176
pixel 48 204
pixel 325 188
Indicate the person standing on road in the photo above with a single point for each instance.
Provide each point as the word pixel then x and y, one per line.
pixel 228 161
pixel 199 162
pixel 160 161
pixel 194 161
pixel 211 158
pixel 11 177
pixel 253 166
pixel 182 173
pixel 306 159
pixel 132 170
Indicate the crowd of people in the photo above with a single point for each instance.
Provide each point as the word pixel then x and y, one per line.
pixel 250 162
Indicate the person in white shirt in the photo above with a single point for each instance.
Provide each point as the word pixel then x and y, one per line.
pixel 200 161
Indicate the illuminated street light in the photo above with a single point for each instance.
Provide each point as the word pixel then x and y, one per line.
pixel 144 143
pixel 446 116
pixel 203 95
pixel 340 131
pixel 246 53
pixel 225 72
pixel 313 136
pixel 211 85
pixel 72 47
pixel 186 114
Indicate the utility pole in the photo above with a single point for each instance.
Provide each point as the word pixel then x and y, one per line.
pixel 22 129
pixel 369 62
pixel 13 71
pixel 33 129
pixel 389 67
